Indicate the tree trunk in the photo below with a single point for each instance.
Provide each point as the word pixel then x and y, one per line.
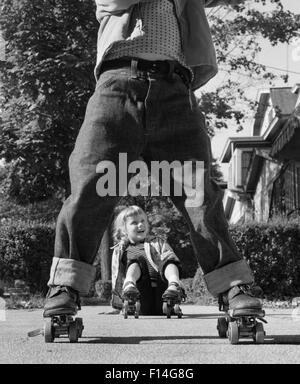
pixel 105 256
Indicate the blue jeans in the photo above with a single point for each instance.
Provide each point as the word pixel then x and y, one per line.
pixel 157 118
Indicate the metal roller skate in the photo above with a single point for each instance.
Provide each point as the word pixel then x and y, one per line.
pixel 63 325
pixel 240 322
pixel 172 300
pixel 61 306
pixel 131 300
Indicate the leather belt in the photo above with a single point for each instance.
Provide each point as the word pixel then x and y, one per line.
pixel 164 67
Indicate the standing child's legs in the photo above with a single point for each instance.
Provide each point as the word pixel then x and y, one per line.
pixel 111 126
pixel 180 135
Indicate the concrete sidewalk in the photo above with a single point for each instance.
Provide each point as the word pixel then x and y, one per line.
pixel 110 339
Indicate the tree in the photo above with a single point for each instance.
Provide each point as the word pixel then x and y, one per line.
pixel 46 81
pixel 48 77
pixel 237 33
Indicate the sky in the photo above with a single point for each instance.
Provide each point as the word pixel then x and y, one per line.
pixel 283 56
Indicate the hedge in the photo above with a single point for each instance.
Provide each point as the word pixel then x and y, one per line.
pixel 26 251
pixel 272 251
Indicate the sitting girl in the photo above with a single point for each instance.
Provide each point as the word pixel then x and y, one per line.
pixel 144 267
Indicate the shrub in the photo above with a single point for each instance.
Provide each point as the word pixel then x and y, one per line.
pixel 26 250
pixel 43 211
pixel 273 253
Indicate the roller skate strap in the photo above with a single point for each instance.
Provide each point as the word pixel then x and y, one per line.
pixel 59 312
pixel 246 312
pixel 130 291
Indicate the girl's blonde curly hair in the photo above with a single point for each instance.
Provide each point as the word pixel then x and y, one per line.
pixel 119 224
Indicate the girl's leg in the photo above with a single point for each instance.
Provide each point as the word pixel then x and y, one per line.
pixel 137 285
pixel 172 275
pixel 132 275
pixel 174 290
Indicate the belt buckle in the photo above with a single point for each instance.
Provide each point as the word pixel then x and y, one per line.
pixel 153 68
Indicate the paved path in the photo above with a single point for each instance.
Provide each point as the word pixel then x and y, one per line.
pixel 110 339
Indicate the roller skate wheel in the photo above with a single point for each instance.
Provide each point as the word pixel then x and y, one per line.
pixel 259 333
pixel 49 331
pixel 233 332
pixel 137 309
pixel 178 311
pixel 167 309
pixel 222 327
pixel 125 308
pixel 79 325
pixel 73 332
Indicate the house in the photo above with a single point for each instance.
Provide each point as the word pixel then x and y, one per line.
pixel 264 168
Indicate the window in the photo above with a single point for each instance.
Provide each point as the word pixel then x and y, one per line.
pixel 238 168
pixel 246 158
pixel 286 191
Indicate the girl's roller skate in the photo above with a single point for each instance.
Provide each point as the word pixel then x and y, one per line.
pixel 242 310
pixel 172 298
pixel 61 306
pixel 131 300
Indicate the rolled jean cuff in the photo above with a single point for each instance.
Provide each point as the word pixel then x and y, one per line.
pixel 224 278
pixel 72 273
